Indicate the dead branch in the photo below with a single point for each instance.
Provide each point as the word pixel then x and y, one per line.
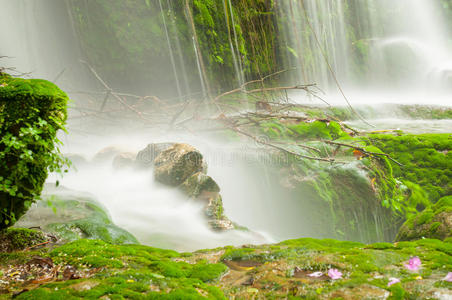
pixel 364 151
pixel 257 140
pixel 262 90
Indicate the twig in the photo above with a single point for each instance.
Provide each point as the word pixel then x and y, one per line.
pixel 34 246
pixel 365 151
pixel 257 140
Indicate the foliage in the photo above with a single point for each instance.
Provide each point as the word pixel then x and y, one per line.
pixel 31 113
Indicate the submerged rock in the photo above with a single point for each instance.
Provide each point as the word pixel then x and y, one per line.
pixel 435 222
pixel 106 154
pixel 124 160
pixel 71 216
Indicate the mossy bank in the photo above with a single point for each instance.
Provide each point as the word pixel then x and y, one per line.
pixel 99 271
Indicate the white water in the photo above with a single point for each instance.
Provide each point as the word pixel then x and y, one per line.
pixel 408 56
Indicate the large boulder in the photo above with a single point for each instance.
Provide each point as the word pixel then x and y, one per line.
pixel 176 164
pixel 434 222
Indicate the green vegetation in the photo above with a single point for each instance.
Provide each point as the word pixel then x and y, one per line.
pixel 274 271
pixel 31 113
pixel 315 130
pixel 16 239
pixel 432 222
pixel 426 160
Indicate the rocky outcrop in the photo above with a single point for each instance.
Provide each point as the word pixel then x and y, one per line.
pixel 435 222
pixel 182 166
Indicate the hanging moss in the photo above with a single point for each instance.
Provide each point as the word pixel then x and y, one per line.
pixel 31 113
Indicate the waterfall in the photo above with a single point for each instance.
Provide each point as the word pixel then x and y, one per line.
pixel 170 49
pixel 37 40
pixel 368 44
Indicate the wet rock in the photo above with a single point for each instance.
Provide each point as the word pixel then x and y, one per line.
pixel 145 158
pixel 435 222
pixel 182 166
pixel 124 160
pixel 106 154
pixel 174 165
pixel 201 186
pixel 215 214
pixel 71 215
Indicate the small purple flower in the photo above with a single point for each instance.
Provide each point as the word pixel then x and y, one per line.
pixel 448 277
pixel 413 264
pixel 334 274
pixel 315 274
pixel 392 281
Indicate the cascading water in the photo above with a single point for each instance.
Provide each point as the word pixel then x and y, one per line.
pixel 36 46
pixel 373 45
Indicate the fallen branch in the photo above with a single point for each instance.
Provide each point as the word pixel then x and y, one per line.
pixel 364 151
pixel 37 245
pixel 257 140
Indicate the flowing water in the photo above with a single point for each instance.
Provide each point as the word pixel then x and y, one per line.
pixel 403 56
pixel 378 51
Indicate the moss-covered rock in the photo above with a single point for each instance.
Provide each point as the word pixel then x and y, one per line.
pixel 16 239
pixel 434 222
pixel 200 186
pixel 426 160
pixel 72 216
pixel 31 113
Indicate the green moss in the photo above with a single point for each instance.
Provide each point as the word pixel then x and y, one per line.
pixel 14 239
pixel 429 222
pixel 426 160
pixel 31 113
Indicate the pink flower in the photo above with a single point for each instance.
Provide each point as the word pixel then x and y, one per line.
pixel 448 277
pixel 334 274
pixel 392 281
pixel 315 274
pixel 413 264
